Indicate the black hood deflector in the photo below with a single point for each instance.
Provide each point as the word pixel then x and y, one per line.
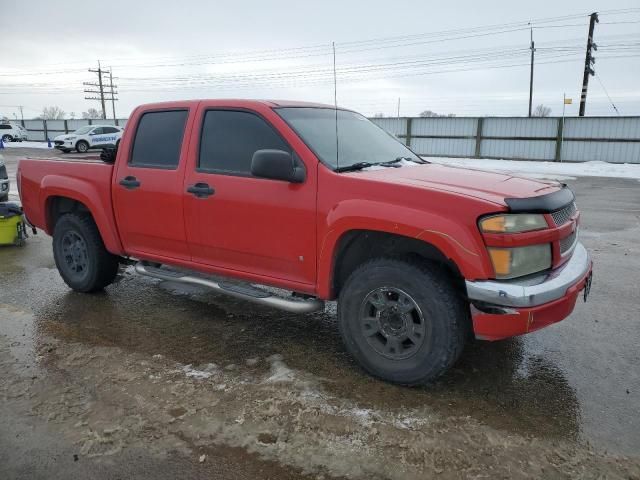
pixel 542 204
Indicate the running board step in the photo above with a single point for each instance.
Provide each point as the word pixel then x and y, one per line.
pixel 243 291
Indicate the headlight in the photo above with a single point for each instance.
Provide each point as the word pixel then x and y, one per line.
pixel 70 138
pixel 513 223
pixel 519 261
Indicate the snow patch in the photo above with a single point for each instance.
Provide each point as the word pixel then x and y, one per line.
pixel 201 374
pixel 280 372
pixel 42 145
pixel 550 170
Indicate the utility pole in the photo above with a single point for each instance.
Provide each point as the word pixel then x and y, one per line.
pixel 21 114
pixel 531 75
pixel 588 62
pixel 398 107
pixel 113 93
pixel 100 85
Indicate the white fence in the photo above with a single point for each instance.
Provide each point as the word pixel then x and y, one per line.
pixel 41 130
pixel 576 139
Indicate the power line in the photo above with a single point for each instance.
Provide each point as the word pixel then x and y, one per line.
pixel 258 55
pixel 607 93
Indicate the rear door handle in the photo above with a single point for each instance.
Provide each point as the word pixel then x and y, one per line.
pixel 130 182
pixel 201 190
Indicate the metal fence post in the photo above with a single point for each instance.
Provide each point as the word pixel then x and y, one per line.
pixel 478 136
pixel 66 127
pixel 408 132
pixel 116 122
pixel 44 127
pixel 559 136
pixel 90 122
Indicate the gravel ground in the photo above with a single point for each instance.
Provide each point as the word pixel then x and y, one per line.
pixel 155 380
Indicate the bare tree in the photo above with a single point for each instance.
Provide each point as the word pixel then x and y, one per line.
pixel 92 114
pixel 378 115
pixel 542 111
pixel 430 113
pixel 51 113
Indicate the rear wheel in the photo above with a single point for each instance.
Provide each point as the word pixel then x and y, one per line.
pixel 82 146
pixel 80 255
pixel 7 138
pixel 402 322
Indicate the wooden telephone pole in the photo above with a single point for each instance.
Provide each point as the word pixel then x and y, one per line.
pixel 588 63
pixel 102 89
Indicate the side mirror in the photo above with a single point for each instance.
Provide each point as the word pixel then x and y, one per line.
pixel 276 165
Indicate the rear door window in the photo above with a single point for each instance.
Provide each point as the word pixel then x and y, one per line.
pixel 110 130
pixel 158 139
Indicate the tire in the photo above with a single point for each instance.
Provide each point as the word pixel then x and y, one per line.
pixel 4 198
pixel 428 309
pixel 84 263
pixel 82 146
pixel 7 138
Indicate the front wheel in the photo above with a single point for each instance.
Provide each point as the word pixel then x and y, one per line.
pixel 82 146
pixel 80 255
pixel 402 322
pixel 7 138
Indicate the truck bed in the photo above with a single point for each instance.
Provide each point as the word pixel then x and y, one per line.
pixel 87 180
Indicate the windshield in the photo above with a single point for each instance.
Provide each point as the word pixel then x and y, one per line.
pixel 359 140
pixel 83 130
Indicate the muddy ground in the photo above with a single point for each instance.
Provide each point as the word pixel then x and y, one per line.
pixel 155 380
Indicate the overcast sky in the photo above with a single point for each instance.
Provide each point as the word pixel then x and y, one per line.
pixel 462 57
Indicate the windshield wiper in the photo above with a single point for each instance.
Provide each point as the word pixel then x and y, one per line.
pixel 355 166
pixel 399 159
pixel 362 165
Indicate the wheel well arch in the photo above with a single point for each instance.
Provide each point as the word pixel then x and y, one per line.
pixel 58 205
pixel 355 247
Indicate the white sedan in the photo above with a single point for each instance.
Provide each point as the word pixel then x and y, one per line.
pixel 87 137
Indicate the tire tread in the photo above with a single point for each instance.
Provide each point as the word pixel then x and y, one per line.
pixel 452 300
pixel 107 264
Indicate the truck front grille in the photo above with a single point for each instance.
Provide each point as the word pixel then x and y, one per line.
pixel 566 244
pixel 3 173
pixel 563 215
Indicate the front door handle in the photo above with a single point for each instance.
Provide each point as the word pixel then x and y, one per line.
pixel 201 190
pixel 130 182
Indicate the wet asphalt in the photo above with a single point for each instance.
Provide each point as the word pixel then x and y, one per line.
pixel 577 381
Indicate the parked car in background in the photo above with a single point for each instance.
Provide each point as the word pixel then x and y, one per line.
pixel 4 182
pixel 10 132
pixel 88 137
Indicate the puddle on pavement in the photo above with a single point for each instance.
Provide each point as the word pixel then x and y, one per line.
pixel 17 327
pixel 504 384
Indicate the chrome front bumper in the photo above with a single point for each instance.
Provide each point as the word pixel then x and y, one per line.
pixel 536 291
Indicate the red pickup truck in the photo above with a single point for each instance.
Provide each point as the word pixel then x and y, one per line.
pixel 319 202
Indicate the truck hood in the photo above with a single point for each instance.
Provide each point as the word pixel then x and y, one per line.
pixel 489 186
